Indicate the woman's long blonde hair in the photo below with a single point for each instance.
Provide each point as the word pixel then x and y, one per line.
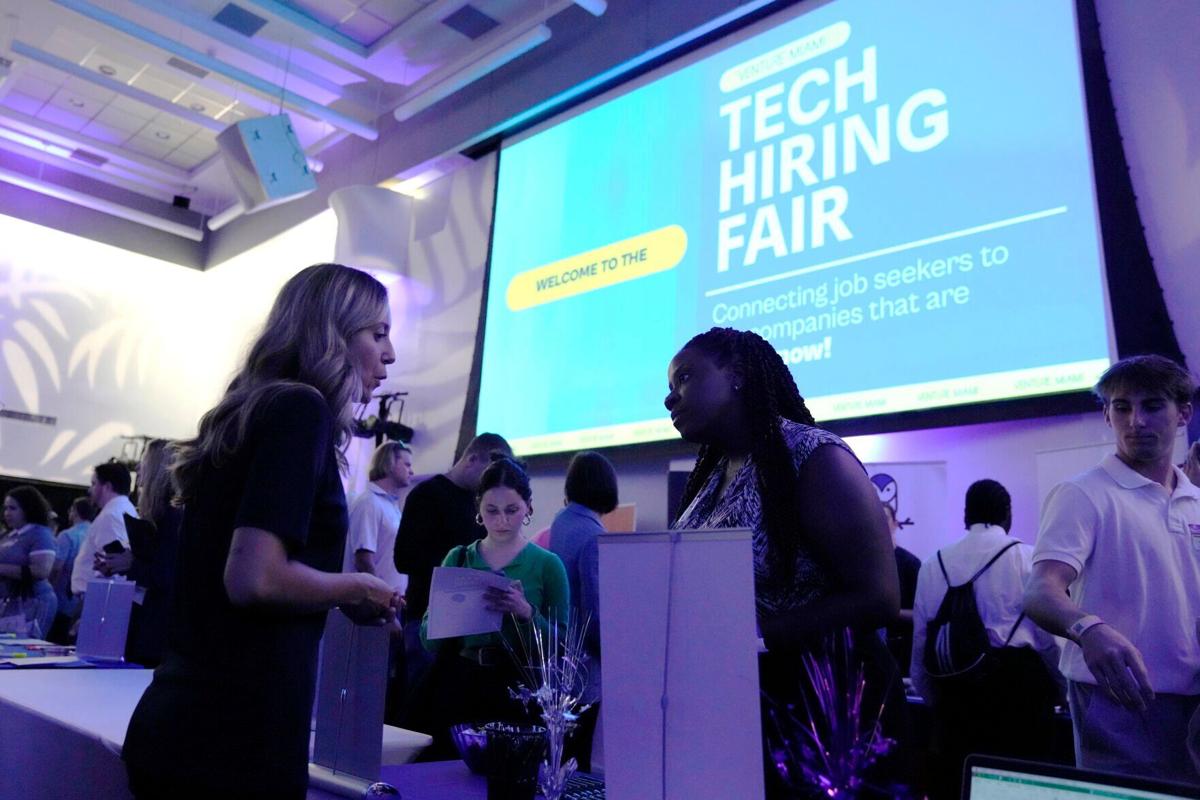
pixel 154 487
pixel 303 343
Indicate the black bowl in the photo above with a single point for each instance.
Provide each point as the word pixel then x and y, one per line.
pixel 471 742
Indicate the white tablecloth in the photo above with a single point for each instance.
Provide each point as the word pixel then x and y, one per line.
pixel 61 733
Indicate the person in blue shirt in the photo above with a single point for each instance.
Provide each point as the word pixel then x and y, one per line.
pixel 26 558
pixel 67 544
pixel 591 491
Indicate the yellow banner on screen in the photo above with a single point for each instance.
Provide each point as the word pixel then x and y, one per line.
pixel 626 260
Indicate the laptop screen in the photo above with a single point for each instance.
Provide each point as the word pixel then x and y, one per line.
pixel 994 779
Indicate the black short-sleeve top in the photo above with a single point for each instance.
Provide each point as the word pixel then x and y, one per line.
pixel 235 690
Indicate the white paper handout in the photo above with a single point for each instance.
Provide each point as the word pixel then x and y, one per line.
pixel 456 605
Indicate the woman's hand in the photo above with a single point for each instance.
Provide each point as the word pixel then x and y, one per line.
pixel 113 564
pixel 509 601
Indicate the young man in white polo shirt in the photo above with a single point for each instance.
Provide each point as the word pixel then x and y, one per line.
pixel 1124 539
pixel 371 540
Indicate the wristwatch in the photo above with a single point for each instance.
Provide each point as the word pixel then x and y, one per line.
pixel 1082 625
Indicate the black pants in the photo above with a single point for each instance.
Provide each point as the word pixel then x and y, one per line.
pixel 579 743
pixel 455 690
pixel 1010 713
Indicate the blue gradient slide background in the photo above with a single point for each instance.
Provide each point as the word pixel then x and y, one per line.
pixel 1017 145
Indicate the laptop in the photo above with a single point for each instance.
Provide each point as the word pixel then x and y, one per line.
pixel 994 778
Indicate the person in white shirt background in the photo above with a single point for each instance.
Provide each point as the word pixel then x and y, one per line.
pixel 371 541
pixel 1008 708
pixel 109 492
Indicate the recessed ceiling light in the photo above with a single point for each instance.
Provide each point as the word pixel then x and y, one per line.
pixel 107 69
pixel 197 107
pixel 162 135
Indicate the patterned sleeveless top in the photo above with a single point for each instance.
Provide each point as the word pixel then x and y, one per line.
pixel 741 507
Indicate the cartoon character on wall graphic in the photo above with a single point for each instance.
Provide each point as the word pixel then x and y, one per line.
pixel 889 495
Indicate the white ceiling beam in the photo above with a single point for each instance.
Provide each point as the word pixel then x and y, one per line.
pixel 100 204
pixel 132 92
pixel 214 30
pixel 433 13
pixel 289 98
pixel 299 19
pixel 594 7
pixel 64 137
pixel 109 173
pixel 220 220
pixel 493 50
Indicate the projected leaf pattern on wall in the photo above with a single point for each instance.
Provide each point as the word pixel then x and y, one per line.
pixel 114 344
pixel 436 318
pixel 53 341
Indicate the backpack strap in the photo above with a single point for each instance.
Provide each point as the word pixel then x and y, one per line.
pixel 1020 617
pixel 1013 632
pixel 942 564
pixel 991 561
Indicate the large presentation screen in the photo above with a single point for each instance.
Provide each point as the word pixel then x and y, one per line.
pixel 897 196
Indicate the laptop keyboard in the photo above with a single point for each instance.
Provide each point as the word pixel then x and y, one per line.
pixel 584 787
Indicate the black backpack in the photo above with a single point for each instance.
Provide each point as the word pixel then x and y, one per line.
pixel 957 649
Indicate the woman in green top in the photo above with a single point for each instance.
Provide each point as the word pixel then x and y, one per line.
pixel 470 679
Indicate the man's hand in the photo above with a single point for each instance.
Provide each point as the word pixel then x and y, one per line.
pixel 379 603
pixel 1117 666
pixel 109 564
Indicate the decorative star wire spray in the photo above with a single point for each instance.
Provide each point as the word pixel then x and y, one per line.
pixel 828 747
pixel 554 669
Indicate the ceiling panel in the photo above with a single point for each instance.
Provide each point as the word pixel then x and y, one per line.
pixel 89 90
pixel 150 145
pixel 392 12
pixel 328 12
pixel 23 103
pixel 101 130
pixel 112 64
pixel 363 27
pixel 70 44
pixel 205 101
pixel 74 103
pixel 113 116
pixel 160 83
pixel 172 50
pixel 57 115
pixel 34 86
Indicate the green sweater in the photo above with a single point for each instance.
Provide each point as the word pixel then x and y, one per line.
pixel 543 579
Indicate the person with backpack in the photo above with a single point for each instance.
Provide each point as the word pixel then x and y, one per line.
pixel 987 671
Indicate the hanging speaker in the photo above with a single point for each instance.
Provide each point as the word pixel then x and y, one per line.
pixel 266 161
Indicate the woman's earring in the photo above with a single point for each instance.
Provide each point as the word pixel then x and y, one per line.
pixel 479 520
pixel 528 519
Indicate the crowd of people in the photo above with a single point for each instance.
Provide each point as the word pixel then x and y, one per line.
pixel 243 540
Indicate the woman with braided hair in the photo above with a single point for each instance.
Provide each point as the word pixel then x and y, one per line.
pixel 823 559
